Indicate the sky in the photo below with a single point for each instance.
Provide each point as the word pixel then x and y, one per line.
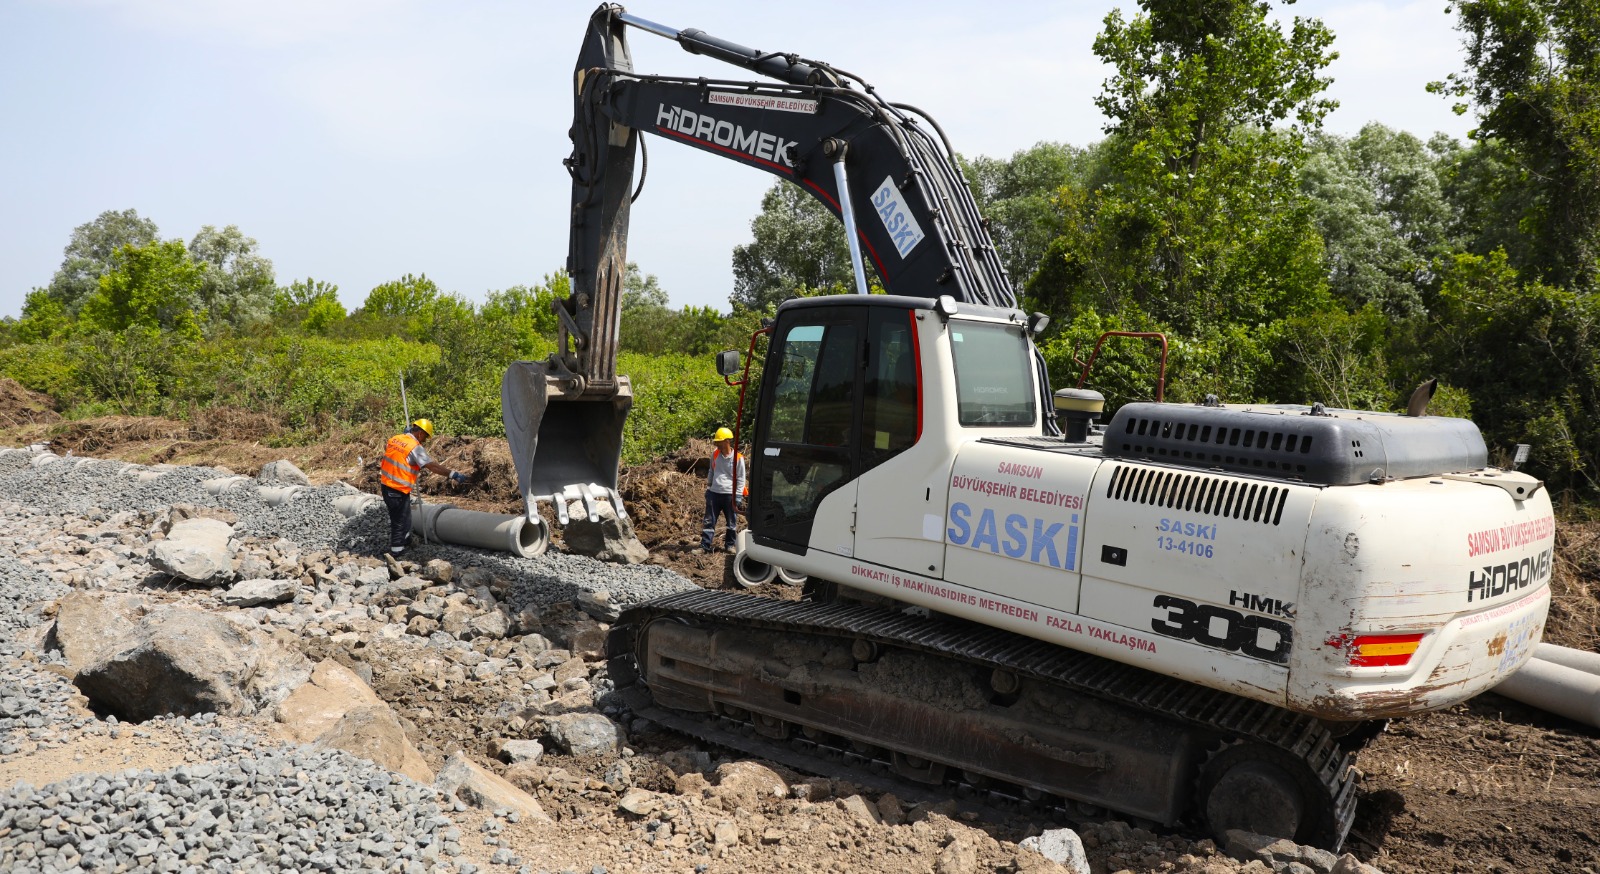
pixel 361 140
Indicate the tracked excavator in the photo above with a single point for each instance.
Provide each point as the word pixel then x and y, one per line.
pixel 1191 615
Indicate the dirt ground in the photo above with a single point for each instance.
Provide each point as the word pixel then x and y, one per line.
pixel 1489 785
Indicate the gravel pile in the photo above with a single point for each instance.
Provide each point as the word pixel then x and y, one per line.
pixel 248 807
pixel 87 486
pixel 254 804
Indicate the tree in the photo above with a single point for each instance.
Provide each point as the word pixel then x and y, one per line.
pixel 155 286
pixel 1380 207
pixel 310 303
pixel 238 286
pixel 1198 219
pixel 640 289
pixel 1018 197
pixel 89 254
pixel 1533 72
pixel 798 244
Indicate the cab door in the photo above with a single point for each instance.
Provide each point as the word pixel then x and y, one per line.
pixel 807 445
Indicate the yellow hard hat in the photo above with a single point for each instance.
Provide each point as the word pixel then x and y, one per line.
pixel 722 434
pixel 425 425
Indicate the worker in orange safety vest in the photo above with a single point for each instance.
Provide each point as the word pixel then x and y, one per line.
pixel 403 459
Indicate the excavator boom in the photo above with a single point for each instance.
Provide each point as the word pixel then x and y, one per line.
pixel 814 126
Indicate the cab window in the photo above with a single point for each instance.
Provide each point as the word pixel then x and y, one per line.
pixel 994 375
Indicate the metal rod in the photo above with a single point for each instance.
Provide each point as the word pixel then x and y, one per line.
pixel 647 25
pixel 848 212
pixel 405 407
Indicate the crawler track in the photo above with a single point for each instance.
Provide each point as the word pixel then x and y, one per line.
pixel 1056 721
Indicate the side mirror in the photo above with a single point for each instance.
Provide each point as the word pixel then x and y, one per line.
pixel 729 363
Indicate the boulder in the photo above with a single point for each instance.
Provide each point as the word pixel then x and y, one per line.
pixel 282 473
pixel 198 550
pixel 185 662
pixel 583 734
pixel 520 752
pixel 479 788
pixel 85 629
pixel 1062 846
pixel 609 539
pixel 958 857
pixel 254 593
pixel 334 708
pixel 749 784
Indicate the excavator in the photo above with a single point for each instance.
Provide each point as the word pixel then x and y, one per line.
pixel 1193 615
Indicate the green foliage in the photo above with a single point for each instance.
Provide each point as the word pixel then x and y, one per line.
pixel 674 397
pixel 1197 222
pixel 43 317
pixel 1529 354
pixel 310 304
pixel 89 254
pixel 1379 203
pixel 238 286
pixel 798 244
pixel 404 306
pixel 1533 71
pixel 153 286
pixel 639 289
pixel 1018 197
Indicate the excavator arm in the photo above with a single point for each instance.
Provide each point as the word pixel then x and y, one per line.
pixel 885 169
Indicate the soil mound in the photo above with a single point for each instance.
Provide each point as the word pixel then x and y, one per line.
pixel 19 406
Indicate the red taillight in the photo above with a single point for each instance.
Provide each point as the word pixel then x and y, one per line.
pixel 1383 650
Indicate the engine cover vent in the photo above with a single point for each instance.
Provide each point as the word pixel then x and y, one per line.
pixel 1344 447
pixel 1198 493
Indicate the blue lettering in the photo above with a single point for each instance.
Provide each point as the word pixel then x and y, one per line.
pixel 1016 544
pixel 1166 525
pixel 959 529
pixel 1072 544
pixel 987 533
pixel 881 197
pixel 1044 540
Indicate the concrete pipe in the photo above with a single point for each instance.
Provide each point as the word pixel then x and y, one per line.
pixel 45 458
pixel 1588 662
pixel 10 452
pixel 504 533
pixel 223 483
pixel 145 476
pixel 1557 688
pixel 277 496
pixel 791 578
pixel 751 573
pixel 351 506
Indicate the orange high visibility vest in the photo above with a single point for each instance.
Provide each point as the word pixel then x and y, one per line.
pixel 396 471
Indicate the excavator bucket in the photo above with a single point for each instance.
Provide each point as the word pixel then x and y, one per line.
pixel 560 441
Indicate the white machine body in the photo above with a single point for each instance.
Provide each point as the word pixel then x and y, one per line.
pixel 1398 593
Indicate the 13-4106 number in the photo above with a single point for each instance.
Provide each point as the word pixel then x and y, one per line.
pixel 1188 547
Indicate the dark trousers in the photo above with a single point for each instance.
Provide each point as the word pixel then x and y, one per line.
pixel 399 505
pixel 717 504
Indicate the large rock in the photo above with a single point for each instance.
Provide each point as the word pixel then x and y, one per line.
pixel 583 734
pixel 282 473
pixel 85 629
pixel 197 550
pixel 610 539
pixel 335 708
pixel 187 662
pixel 479 788
pixel 254 593
pixel 1061 846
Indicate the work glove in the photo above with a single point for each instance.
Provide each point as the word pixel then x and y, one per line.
pixel 457 477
